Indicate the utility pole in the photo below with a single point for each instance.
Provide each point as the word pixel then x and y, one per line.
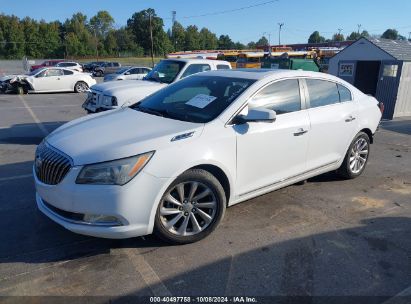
pixel 151 38
pixel 174 14
pixel 96 40
pixel 279 32
pixel 409 36
pixel 359 28
pixel 339 31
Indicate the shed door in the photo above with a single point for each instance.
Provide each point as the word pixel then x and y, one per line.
pixel 387 88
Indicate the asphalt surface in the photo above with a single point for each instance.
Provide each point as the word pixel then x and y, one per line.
pixel 328 237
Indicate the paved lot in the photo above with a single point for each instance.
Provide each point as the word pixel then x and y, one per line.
pixel 329 237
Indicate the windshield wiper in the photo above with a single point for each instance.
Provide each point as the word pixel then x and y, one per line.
pixel 149 111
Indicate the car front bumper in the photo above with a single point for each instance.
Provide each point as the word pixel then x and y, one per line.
pixel 133 205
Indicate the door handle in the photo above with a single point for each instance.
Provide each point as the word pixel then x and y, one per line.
pixel 300 132
pixel 350 119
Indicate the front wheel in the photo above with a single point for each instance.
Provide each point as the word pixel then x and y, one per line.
pixel 356 158
pixel 191 208
pixel 80 87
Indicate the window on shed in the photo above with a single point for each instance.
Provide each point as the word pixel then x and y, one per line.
pixel 195 68
pixel 322 93
pixel 282 97
pixel 345 94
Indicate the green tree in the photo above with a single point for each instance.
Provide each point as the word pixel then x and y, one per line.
pixel 192 38
pixel 390 34
pixel 208 40
pixel 239 46
pixel 263 41
pixel 14 38
pixel 338 37
pixel 251 45
pixel 365 34
pixel 225 43
pixel 315 37
pixel 102 23
pixel 178 36
pixel 139 25
pixel 110 43
pixel 126 44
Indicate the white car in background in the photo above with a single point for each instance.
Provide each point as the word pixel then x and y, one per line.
pixel 112 95
pixel 128 73
pixel 75 66
pixel 185 153
pixel 54 79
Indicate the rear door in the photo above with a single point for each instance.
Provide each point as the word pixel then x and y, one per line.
pixel 333 118
pixel 269 153
pixel 387 87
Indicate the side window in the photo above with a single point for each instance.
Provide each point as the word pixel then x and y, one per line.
pixel 222 67
pixel 51 73
pixel 145 71
pixel 322 93
pixel 134 71
pixel 68 72
pixel 116 64
pixel 282 97
pixel 345 94
pixel 195 68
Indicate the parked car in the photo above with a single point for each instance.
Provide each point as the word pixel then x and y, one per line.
pixel 51 80
pixel 171 163
pixel 106 68
pixel 90 66
pixel 47 63
pixel 70 66
pixel 128 73
pixel 111 95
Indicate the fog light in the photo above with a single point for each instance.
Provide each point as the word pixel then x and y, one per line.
pixel 100 219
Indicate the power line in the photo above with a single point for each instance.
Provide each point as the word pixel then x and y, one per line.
pixel 231 10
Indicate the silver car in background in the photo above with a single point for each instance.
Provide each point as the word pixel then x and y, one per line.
pixel 128 73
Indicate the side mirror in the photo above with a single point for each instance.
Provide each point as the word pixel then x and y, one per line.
pixel 256 115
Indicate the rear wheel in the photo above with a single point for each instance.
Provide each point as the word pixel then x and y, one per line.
pixel 191 208
pixel 356 158
pixel 80 87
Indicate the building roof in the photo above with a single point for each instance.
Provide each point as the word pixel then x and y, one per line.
pixel 399 49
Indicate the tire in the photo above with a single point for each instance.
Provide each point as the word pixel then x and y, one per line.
pixel 20 90
pixel 99 73
pixel 80 87
pixel 190 219
pixel 356 158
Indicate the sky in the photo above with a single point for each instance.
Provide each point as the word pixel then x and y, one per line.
pixel 300 17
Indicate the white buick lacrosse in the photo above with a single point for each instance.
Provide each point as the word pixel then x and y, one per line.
pixel 173 162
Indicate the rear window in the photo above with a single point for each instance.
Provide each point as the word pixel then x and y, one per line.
pixel 68 72
pixel 222 67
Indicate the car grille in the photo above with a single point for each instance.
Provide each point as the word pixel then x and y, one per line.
pixel 50 165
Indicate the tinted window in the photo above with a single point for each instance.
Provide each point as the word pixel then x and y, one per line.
pixel 345 94
pixel 198 99
pixel 322 93
pixel 67 72
pixel 195 68
pixel 165 71
pixel 222 67
pixel 134 71
pixel 282 97
pixel 116 64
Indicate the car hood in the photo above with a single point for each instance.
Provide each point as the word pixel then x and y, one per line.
pixel 8 77
pixel 128 90
pixel 118 134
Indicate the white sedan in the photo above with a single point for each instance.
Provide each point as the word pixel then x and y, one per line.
pixel 128 73
pixel 54 79
pixel 206 142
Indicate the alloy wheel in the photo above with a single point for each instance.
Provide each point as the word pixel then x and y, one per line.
pixel 188 208
pixel 359 155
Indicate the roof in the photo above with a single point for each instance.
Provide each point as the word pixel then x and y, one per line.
pixel 399 49
pixel 258 74
pixel 198 60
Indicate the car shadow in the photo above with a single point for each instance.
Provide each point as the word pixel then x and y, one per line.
pixel 398 126
pixel 27 134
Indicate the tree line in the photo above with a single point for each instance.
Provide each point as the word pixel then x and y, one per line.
pixel 80 36
pixel 392 34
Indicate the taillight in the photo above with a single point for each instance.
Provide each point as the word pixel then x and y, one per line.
pixel 381 106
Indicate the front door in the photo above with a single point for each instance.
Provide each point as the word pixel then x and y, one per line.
pixel 387 87
pixel 268 153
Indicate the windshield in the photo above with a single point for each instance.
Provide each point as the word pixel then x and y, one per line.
pixel 197 99
pixel 32 73
pixel 121 71
pixel 165 71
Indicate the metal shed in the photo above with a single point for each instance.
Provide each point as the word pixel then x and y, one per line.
pixel 381 68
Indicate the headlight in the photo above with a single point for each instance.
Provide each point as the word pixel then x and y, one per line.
pixel 117 172
pixel 109 100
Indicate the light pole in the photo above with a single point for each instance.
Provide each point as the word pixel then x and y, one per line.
pixel 151 38
pixel 279 32
pixel 359 28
